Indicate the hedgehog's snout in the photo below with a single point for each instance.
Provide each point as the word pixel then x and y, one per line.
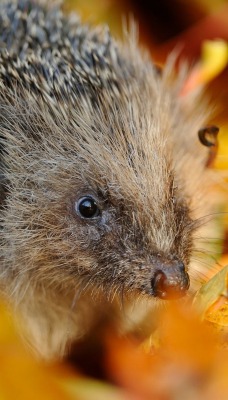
pixel 170 280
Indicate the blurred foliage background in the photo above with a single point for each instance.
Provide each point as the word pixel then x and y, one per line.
pixel 190 362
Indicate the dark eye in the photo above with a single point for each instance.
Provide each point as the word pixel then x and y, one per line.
pixel 86 207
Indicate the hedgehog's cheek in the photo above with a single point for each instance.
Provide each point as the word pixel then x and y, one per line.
pixel 170 280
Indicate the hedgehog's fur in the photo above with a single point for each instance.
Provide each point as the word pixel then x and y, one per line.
pixel 81 114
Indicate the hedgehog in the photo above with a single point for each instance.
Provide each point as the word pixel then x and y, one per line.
pixel 103 178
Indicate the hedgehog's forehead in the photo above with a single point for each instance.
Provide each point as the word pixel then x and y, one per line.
pixel 128 150
pixel 122 175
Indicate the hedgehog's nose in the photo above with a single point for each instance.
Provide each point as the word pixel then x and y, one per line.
pixel 170 280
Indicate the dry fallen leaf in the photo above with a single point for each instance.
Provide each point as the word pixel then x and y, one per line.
pixel 212 301
pixel 185 363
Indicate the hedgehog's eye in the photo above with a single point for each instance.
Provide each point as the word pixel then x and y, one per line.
pixel 86 207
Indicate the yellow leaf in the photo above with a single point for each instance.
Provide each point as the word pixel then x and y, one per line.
pixel 214 59
pixel 212 291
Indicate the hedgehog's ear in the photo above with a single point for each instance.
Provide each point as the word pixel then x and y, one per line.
pixel 208 137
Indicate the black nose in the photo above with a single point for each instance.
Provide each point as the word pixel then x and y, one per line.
pixel 170 280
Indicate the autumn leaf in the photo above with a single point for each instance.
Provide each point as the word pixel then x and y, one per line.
pixel 212 292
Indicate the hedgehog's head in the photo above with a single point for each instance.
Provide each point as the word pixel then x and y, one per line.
pixel 98 193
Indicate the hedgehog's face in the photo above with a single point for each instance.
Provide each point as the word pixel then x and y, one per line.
pixel 108 221
pixel 126 247
pixel 96 197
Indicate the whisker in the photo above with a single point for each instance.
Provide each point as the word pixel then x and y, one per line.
pixel 201 220
pixel 204 252
pixel 202 262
